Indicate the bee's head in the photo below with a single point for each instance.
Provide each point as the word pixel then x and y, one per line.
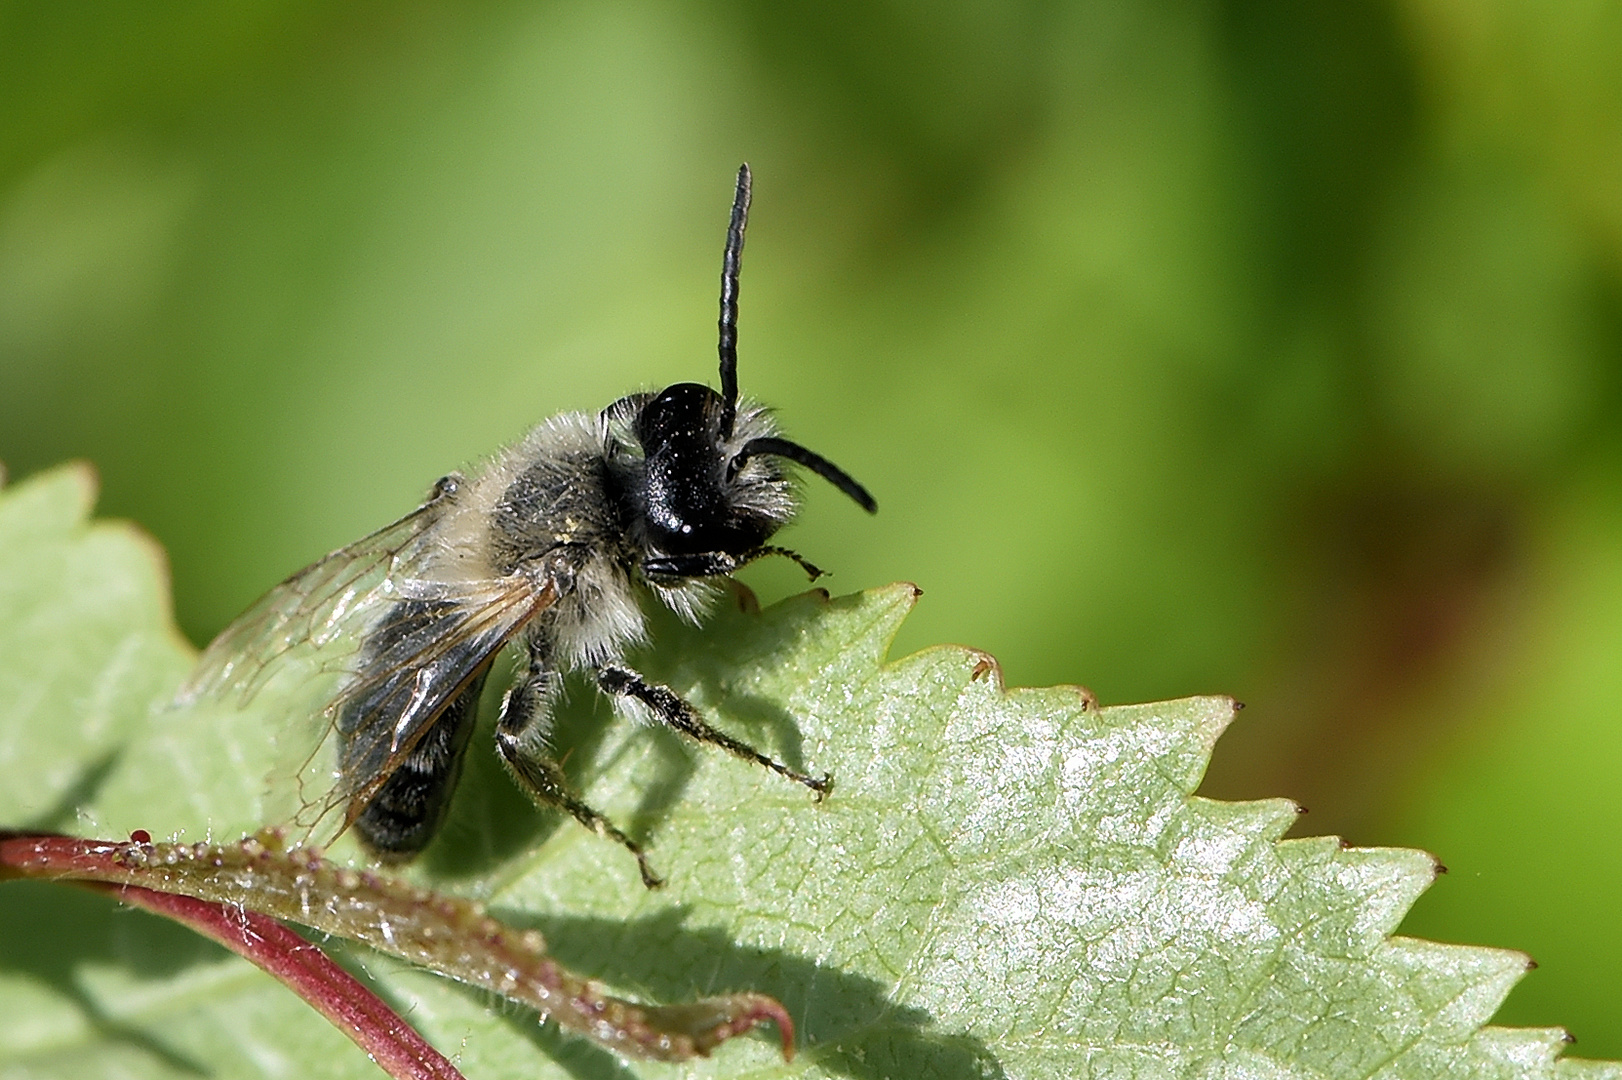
pixel 714 479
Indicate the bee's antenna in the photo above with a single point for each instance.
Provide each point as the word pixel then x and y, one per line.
pixel 818 464
pixel 730 262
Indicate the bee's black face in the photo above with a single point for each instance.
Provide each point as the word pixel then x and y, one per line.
pixel 689 506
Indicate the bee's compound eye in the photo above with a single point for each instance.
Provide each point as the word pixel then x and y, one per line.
pixel 686 413
pixel 688 508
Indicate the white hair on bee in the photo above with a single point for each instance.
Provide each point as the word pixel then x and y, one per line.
pixel 761 485
pixel 692 601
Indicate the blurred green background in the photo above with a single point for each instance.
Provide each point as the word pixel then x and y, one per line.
pixel 1244 346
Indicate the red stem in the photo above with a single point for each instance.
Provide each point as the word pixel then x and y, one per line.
pixel 299 965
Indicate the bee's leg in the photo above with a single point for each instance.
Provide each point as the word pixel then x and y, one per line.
pixel 526 712
pixel 671 710
pixel 812 572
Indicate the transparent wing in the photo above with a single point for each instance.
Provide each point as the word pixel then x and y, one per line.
pixel 325 603
pixel 365 647
pixel 415 659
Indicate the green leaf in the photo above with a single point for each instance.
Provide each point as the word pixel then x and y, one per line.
pixel 1003 882
pixel 86 644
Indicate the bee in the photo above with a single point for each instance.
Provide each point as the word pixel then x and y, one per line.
pixel 553 546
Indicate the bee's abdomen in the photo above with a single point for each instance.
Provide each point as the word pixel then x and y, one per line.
pixel 411 805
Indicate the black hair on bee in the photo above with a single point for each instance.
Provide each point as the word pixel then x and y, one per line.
pixel 547 546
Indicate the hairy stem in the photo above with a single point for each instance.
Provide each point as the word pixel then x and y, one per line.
pixel 242 888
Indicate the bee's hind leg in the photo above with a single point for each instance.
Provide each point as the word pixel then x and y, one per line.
pixel 671 710
pixel 525 710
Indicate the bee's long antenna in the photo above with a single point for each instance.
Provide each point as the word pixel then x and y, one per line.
pixel 818 464
pixel 730 262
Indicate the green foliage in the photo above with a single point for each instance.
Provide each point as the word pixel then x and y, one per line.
pixel 87 641
pixel 1261 346
pixel 1206 266
pixel 1004 882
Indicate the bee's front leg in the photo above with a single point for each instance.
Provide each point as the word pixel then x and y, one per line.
pixel 671 710
pixel 526 713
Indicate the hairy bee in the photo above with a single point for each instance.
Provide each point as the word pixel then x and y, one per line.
pixel 551 546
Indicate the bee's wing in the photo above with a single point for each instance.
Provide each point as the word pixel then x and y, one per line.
pixel 417 657
pixel 324 603
pixel 370 643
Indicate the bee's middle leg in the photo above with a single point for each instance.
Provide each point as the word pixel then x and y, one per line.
pixel 671 710
pixel 526 712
